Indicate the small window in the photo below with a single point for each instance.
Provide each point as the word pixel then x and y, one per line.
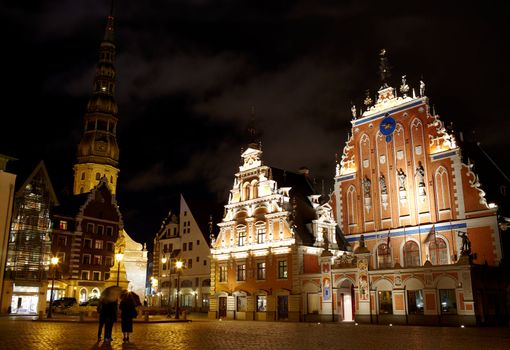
pixel 170 247
pixel 90 227
pixel 198 259
pixel 261 235
pixel 261 271
pixel 282 269
pixel 97 276
pixel 223 273
pixel 62 241
pixel 190 246
pixel 109 231
pixel 385 302
pixel 87 243
pixel 448 301
pixel 85 275
pixel 241 304
pixel 86 259
pixel 111 179
pixel 100 229
pixel 83 176
pixel 261 303
pixel 98 244
pixel 241 238
pixel 98 259
pixel 241 272
pixel 184 247
pixel 190 263
pixel 415 301
pixel 62 225
pixel 198 242
pixel 185 213
pixel 205 262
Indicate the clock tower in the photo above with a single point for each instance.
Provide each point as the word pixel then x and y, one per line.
pixel 98 152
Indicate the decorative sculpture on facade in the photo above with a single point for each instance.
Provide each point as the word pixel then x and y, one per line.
pixel 404 88
pixel 466 244
pixel 366 193
pixel 420 176
pixel 422 88
pixel 384 191
pixel 402 185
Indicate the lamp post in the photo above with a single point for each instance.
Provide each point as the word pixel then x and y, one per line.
pixel 54 263
pixel 178 266
pixel 119 256
pixel 164 261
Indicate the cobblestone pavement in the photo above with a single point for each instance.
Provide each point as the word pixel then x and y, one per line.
pixel 25 334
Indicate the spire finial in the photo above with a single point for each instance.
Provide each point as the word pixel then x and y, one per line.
pixel 384 68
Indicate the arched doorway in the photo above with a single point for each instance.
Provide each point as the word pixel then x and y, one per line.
pixel 345 301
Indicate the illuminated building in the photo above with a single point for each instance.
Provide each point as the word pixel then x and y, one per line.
pixel 272 219
pixel 426 243
pixel 28 256
pixel 182 238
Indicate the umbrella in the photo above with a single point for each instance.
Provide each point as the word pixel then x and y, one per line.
pixel 133 298
pixel 111 293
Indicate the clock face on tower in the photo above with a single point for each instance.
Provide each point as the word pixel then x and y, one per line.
pixel 387 126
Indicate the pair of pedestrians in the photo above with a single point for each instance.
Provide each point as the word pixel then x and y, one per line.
pixel 108 310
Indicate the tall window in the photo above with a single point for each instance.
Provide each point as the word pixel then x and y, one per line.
pixel 184 246
pixel 62 241
pixel 241 303
pixel 261 303
pixel 90 227
pixel 223 273
pixel 84 275
pixel 282 269
pixel 351 205
pixel 442 189
pixel 97 276
pixel 261 235
pixel 385 302
pixel 108 261
pixel 415 301
pixel 242 238
pixel 98 244
pixel 448 301
pixel 100 229
pixel 411 254
pixel 87 243
pixel 109 231
pixel 97 259
pixel 384 260
pixel 241 272
pixel 86 259
pixel 190 263
pixel 261 271
pixel 190 246
pixel 438 251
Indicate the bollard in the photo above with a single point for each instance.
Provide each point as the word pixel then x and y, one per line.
pixel 146 316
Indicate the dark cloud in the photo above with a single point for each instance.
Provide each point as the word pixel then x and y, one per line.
pixel 190 71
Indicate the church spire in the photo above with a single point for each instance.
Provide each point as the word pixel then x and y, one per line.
pixel 98 152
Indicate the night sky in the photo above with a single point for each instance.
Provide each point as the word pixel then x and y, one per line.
pixel 189 72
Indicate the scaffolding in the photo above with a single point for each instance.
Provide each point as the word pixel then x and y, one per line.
pixel 29 248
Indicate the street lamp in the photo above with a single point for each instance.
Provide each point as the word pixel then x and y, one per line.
pixel 54 263
pixel 164 261
pixel 178 266
pixel 118 257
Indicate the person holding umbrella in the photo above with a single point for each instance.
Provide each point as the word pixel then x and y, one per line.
pixel 107 309
pixel 128 303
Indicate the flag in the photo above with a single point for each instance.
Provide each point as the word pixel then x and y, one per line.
pixel 432 234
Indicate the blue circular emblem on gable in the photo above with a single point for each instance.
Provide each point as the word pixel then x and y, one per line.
pixel 387 126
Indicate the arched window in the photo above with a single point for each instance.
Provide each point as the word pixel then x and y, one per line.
pixel 411 254
pixel 438 251
pixel 246 191
pixel 351 205
pixel 83 295
pixel 442 189
pixel 254 189
pixel 384 260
